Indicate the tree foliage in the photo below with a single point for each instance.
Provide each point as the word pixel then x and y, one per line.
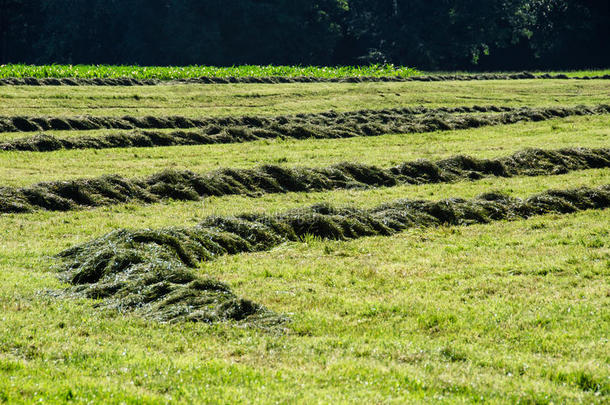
pixel 429 34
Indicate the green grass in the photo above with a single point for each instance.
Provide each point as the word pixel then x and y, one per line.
pixel 569 73
pixel 187 72
pixel 496 311
pixel 503 313
pixel 265 99
pixel 580 72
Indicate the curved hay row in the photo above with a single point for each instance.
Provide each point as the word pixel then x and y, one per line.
pixel 84 123
pixel 126 81
pixel 150 271
pixel 186 185
pixel 327 126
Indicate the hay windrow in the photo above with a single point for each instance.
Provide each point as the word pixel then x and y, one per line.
pixel 189 186
pixel 330 125
pixel 126 81
pixel 83 123
pixel 151 271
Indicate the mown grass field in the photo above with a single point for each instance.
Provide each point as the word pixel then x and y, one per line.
pixel 264 99
pixel 505 312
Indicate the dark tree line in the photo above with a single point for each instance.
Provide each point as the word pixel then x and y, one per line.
pixel 428 34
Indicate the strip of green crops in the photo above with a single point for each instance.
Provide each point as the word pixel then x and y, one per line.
pixel 186 72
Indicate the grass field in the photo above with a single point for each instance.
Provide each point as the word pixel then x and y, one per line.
pixel 504 312
pixel 264 99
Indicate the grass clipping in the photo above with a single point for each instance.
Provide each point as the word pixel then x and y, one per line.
pixel 152 272
pixel 189 186
pixel 87 122
pixel 329 125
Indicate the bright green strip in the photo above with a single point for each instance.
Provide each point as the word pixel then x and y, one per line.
pixel 186 72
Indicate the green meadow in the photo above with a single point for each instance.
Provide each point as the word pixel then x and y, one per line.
pixel 505 312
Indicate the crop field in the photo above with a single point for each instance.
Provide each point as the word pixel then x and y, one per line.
pixel 375 235
pixel 102 75
pixel 188 72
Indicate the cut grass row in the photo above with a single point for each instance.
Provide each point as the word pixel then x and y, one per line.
pixel 186 185
pixel 88 123
pixel 283 79
pixel 19 169
pixel 250 129
pixel 188 72
pixel 61 230
pixel 149 271
pixel 237 100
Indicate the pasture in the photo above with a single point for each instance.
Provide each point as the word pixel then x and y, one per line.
pixel 376 242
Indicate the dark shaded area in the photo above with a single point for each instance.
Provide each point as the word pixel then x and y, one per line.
pixel 428 34
pixel 189 186
pixel 150 271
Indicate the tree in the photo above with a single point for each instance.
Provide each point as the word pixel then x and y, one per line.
pixel 429 34
pixel 19 22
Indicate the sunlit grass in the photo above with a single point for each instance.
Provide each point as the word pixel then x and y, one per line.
pixel 505 312
pixel 186 72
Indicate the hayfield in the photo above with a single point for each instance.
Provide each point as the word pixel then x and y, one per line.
pixel 390 242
